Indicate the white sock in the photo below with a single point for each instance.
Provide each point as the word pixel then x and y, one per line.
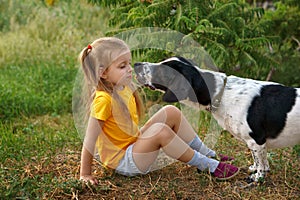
pixel 202 162
pixel 199 146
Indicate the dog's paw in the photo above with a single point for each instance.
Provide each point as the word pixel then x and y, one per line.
pixel 249 180
pixel 256 177
pixel 252 168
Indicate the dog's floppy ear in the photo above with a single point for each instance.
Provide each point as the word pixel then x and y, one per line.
pixel 178 90
pixel 169 97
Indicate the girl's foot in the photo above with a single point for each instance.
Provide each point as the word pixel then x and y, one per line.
pixel 225 171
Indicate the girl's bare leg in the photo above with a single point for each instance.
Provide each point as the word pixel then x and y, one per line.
pixel 173 117
pixel 167 129
pixel 157 136
pixel 160 136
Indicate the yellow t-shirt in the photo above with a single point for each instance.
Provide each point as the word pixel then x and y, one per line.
pixel 118 131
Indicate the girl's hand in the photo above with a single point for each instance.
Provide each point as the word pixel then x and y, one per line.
pixel 89 179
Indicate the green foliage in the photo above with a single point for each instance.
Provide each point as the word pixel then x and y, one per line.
pixel 286 24
pixel 242 39
pixel 231 31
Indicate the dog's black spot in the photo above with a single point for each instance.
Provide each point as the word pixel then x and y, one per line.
pixel 205 88
pixel 199 82
pixel 268 111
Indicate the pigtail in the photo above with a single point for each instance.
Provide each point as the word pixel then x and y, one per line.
pixel 87 66
pixel 90 78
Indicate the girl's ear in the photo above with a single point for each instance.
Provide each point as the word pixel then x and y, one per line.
pixel 102 73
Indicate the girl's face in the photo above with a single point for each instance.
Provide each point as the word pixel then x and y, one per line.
pixel 120 71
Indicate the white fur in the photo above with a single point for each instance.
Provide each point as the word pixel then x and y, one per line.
pixel 232 116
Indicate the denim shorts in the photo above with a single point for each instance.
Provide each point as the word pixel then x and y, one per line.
pixel 127 166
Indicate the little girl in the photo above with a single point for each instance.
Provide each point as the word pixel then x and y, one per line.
pixel 114 113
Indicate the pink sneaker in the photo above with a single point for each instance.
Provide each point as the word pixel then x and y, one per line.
pixel 225 171
pixel 223 158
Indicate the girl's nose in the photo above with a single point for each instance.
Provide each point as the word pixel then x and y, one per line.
pixel 129 68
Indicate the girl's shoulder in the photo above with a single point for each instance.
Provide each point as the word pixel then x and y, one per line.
pixel 101 105
pixel 103 94
pixel 102 97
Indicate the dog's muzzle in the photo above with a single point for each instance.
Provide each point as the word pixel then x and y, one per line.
pixel 143 74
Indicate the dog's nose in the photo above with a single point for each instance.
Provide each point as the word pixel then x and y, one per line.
pixel 137 64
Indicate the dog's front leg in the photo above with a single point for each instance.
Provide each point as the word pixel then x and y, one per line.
pixel 261 164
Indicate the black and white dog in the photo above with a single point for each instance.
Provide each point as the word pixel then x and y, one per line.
pixel 262 114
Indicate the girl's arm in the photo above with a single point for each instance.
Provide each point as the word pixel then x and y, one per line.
pixel 87 154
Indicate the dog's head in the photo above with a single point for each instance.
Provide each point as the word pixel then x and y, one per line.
pixel 179 78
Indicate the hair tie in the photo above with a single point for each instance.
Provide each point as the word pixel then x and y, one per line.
pixel 89 47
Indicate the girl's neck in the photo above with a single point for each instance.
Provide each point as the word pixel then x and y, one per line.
pixel 119 87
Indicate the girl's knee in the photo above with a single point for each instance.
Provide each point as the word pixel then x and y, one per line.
pixel 165 133
pixel 159 130
pixel 172 110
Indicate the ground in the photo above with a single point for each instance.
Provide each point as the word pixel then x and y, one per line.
pixel 179 181
pixel 42 161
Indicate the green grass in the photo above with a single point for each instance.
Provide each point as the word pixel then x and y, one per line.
pixel 39 50
pixel 27 147
pixel 39 145
pixel 35 90
pixel 39 45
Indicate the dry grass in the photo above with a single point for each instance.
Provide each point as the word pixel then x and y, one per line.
pixel 55 175
pixel 177 181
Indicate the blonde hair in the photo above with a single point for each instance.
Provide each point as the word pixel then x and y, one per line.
pixel 95 59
